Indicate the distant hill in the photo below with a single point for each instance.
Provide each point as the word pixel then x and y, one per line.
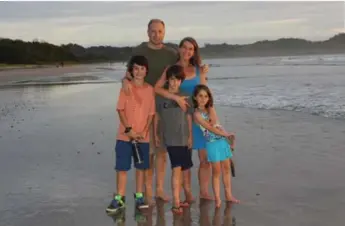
pixel 38 52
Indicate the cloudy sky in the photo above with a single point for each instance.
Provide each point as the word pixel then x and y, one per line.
pixel 124 23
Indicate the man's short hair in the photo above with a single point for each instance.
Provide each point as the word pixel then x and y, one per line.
pixel 175 71
pixel 155 21
pixel 138 60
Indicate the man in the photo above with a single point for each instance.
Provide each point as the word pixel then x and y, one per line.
pixel 159 57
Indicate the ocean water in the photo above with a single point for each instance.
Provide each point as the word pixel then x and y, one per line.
pixel 312 84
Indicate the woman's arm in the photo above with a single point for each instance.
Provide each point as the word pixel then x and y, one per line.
pixel 201 121
pixel 181 101
pixel 203 76
pixel 161 91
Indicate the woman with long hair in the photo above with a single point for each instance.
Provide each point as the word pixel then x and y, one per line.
pixel 190 60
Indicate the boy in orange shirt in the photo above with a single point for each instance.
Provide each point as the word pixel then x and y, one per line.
pixel 136 112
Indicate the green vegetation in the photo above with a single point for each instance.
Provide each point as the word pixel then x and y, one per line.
pixel 18 52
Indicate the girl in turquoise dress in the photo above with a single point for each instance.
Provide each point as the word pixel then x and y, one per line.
pixel 217 145
pixel 195 74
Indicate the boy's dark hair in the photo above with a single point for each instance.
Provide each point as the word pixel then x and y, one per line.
pixel 138 60
pixel 175 71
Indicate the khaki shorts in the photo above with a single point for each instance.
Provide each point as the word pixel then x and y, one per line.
pixel 153 148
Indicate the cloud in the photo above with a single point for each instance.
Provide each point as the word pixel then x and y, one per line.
pixel 123 23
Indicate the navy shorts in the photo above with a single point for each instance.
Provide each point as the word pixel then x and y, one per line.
pixel 124 155
pixel 180 156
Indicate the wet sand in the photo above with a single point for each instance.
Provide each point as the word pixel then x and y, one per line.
pixel 57 159
pixel 11 75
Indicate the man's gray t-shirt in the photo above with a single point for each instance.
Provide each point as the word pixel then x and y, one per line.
pixel 173 123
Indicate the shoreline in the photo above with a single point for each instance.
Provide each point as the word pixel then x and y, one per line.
pixel 16 75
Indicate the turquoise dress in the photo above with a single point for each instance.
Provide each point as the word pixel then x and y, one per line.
pixel 187 86
pixel 217 147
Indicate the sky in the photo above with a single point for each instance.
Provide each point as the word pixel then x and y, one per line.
pixel 125 23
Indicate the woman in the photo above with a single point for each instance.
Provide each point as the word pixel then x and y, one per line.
pixel 189 58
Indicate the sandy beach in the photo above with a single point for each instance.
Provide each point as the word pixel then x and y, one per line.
pixel 57 149
pixel 10 75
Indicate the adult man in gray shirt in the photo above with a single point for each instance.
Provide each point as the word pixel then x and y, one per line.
pixel 175 127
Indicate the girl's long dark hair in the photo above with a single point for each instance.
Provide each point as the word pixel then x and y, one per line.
pixel 197 90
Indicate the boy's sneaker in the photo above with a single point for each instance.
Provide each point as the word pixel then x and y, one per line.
pixel 140 201
pixel 116 204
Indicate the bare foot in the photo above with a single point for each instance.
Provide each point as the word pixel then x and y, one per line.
pixel 151 203
pixel 190 198
pixel 233 200
pixel 206 196
pixel 162 197
pixel 218 203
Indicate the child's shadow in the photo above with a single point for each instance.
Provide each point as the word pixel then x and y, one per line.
pixel 204 219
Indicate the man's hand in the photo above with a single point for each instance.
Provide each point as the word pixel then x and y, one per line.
pixel 182 102
pixel 190 142
pixel 157 141
pixel 126 85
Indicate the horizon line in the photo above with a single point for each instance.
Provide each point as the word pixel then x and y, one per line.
pixel 170 41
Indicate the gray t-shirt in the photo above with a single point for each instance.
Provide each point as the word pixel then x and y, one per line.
pixel 173 123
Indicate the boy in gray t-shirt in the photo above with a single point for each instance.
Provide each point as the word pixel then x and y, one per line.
pixel 176 129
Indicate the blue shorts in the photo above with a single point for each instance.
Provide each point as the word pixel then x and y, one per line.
pixel 180 156
pixel 124 154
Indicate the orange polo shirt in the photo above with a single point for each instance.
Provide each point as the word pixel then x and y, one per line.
pixel 137 106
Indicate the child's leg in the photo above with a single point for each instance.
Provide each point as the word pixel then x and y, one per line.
pixel 121 181
pixel 148 180
pixel 175 160
pixel 141 170
pixel 187 164
pixel 139 180
pixel 123 163
pixel 187 184
pixel 216 182
pixel 204 174
pixel 161 158
pixel 225 165
pixel 123 151
pixel 176 185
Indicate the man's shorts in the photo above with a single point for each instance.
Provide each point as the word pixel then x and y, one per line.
pixel 180 156
pixel 153 148
pixel 124 154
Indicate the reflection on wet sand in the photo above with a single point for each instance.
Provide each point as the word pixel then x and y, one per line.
pixel 145 218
